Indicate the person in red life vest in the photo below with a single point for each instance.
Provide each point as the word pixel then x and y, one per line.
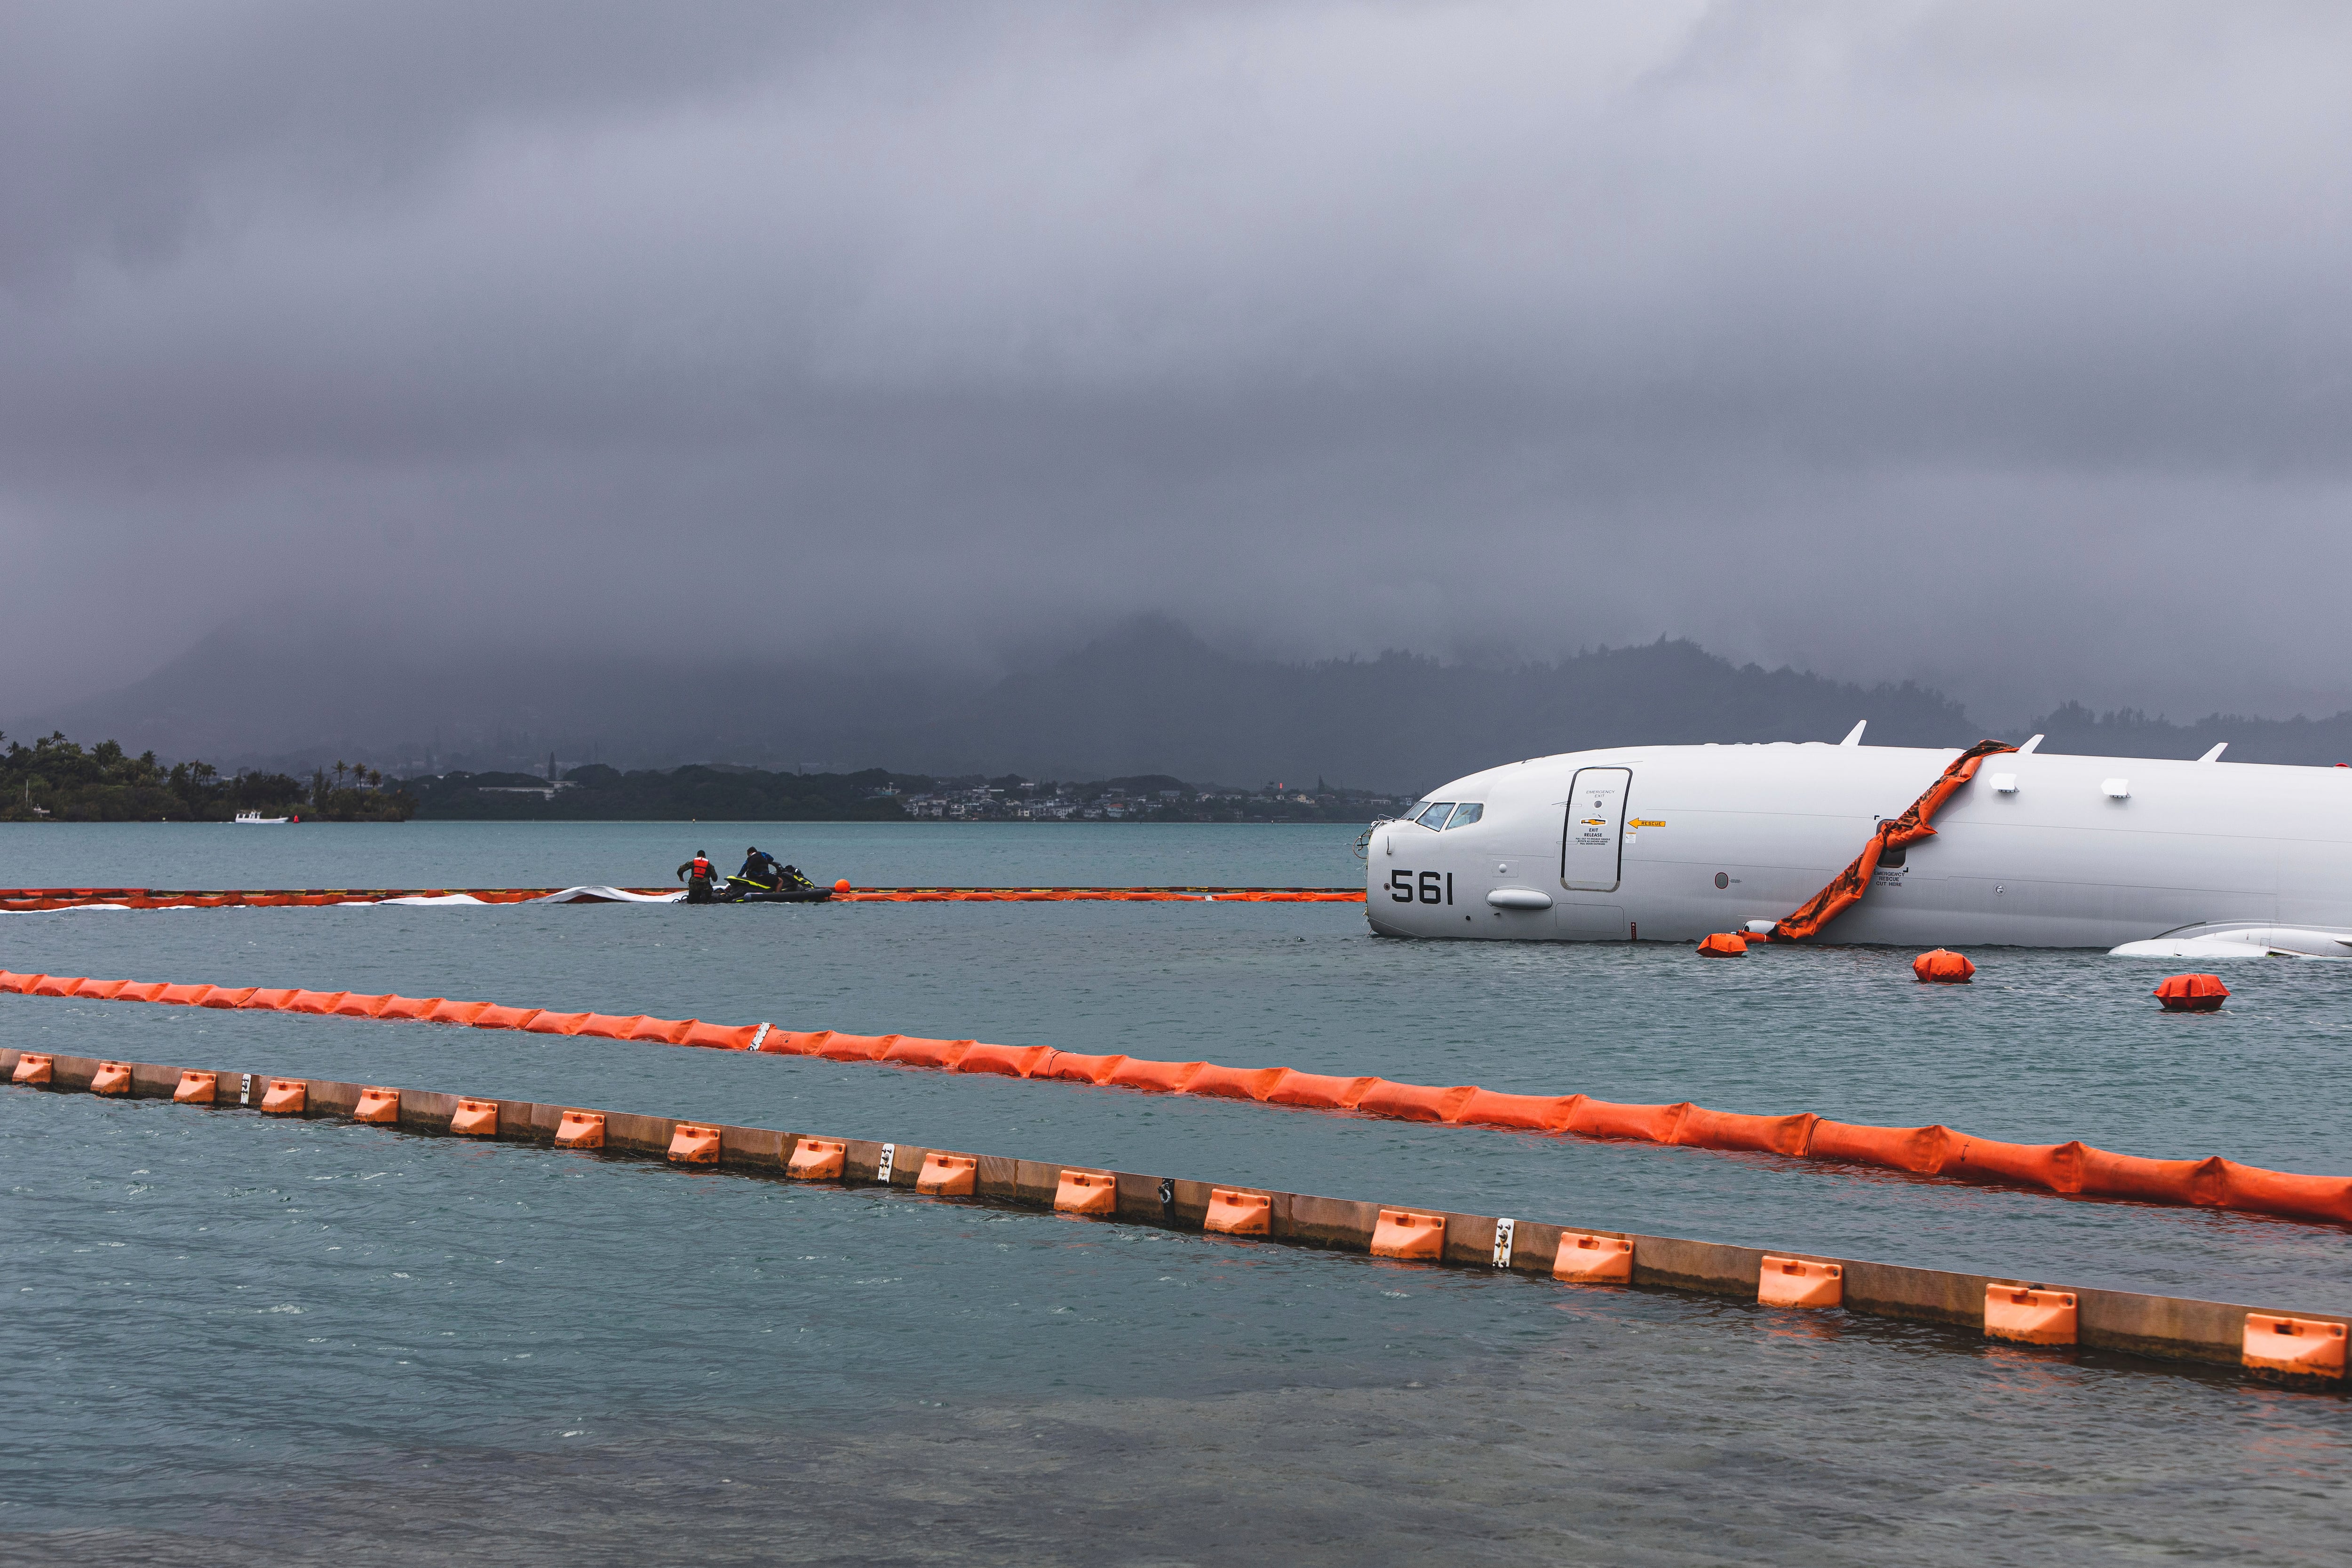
pixel 698 885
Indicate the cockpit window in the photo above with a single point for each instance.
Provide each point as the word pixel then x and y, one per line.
pixel 1468 812
pixel 1432 815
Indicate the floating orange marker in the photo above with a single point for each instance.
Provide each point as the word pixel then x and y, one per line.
pixel 1402 1233
pixel 380 1106
pixel 1087 1193
pixel 33 1068
pixel 694 1144
pixel 2029 1316
pixel 1943 968
pixel 581 1130
pixel 1723 945
pixel 195 1087
pixel 947 1176
pixel 818 1158
pixel 476 1119
pixel 1235 1213
pixel 286 1097
pixel 2300 1345
pixel 2191 992
pixel 111 1077
pixel 1587 1259
pixel 1800 1282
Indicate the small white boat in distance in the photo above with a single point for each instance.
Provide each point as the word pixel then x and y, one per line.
pixel 255 819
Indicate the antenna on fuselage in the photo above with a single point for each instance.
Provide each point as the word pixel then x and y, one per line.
pixel 2215 755
pixel 1853 736
pixel 2027 749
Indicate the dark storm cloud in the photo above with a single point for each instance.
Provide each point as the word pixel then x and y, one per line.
pixel 2002 345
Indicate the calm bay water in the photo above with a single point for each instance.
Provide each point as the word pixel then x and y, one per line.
pixel 287 1338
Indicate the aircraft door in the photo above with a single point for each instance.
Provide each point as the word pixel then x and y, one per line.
pixel 1592 848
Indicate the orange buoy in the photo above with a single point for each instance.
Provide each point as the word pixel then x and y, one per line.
pixel 1943 968
pixel 841 886
pixel 1723 945
pixel 2191 992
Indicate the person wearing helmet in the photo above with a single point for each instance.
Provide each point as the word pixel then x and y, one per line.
pixel 698 874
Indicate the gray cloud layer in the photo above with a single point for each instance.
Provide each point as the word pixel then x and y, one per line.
pixel 2002 345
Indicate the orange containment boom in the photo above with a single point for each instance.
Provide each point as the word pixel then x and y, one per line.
pixel 33 901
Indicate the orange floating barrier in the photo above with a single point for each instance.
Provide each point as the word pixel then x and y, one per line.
pixel 182 995
pixel 476 1119
pixel 1703 1129
pixel 286 1097
pixel 555 1022
pixel 692 1144
pixel 378 1107
pixel 1233 1083
pixel 2307 1347
pixel 111 1077
pixel 2030 1316
pixel 33 1066
pixel 2191 992
pixel 354 1006
pixel 914 1051
pixel 496 1018
pixel 581 1130
pixel 315 1001
pixel 1942 968
pixel 1235 1213
pixel 274 1001
pixel 1800 1282
pixel 448 1012
pixel 2054 1166
pixel 1585 1258
pixel 720 1037
pixel 1011 1061
pixel 818 1158
pixel 1533 1112
pixel 407 1008
pixel 658 1031
pixel 1646 1123
pixel 1154 1077
pixel 2323 1198
pixel 2101 1174
pixel 838 1047
pixel 1920 1149
pixel 1093 1192
pixel 104 990
pixel 1403 1233
pixel 1723 945
pixel 1414 1102
pixel 59 985
pixel 195 1087
pixel 947 1176
pixel 228 996
pixel 1317 1091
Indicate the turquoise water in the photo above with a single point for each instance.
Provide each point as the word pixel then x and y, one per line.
pixel 277 1338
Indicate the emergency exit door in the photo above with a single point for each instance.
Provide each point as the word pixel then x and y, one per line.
pixel 1593 845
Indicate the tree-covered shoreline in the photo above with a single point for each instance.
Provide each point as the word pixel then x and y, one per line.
pixel 55 780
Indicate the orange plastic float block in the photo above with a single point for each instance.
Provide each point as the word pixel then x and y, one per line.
pixel 1318 1091
pixel 379 1106
pixel 1011 1061
pixel 1800 1282
pixel 286 1097
pixel 840 1047
pixel 1942 968
pixel 111 1077
pixel 195 1087
pixel 818 1160
pixel 694 1144
pixel 1414 1102
pixel 355 1005
pixel 581 1130
pixel 947 1176
pixel 2055 1167
pixel 1403 1233
pixel 555 1022
pixel 1234 1213
pixel 1723 945
pixel 2305 1346
pixel 476 1119
pixel 914 1051
pixel 1151 1077
pixel 2029 1316
pixel 33 1068
pixel 1920 1149
pixel 2191 992
pixel 1703 1129
pixel 1533 1112
pixel 1646 1123
pixel 1093 1192
pixel 1233 1083
pixel 1585 1258
pixel 496 1018
pixel 1078 1068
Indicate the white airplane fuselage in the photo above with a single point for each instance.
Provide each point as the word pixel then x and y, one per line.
pixel 1670 843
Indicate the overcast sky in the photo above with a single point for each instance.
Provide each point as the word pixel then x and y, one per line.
pixel 2003 345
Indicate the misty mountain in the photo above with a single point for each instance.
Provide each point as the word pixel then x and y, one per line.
pixel 1150 697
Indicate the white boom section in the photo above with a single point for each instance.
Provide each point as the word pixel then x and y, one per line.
pixel 1669 843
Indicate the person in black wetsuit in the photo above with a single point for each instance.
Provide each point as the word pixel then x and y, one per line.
pixel 760 871
pixel 698 885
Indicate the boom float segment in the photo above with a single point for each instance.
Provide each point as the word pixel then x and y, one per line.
pixel 2306 1347
pixel 2071 1169
pixel 33 901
